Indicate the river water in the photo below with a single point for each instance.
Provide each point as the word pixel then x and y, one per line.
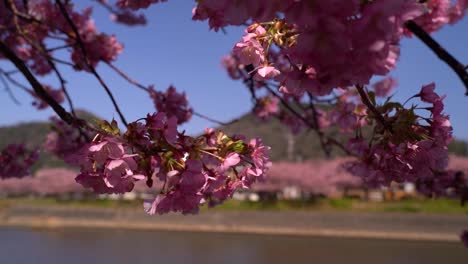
pixel 86 246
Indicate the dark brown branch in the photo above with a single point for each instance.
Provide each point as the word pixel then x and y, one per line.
pixel 37 87
pixel 65 46
pixel 378 116
pixel 41 93
pixel 88 64
pixel 445 56
pixel 319 132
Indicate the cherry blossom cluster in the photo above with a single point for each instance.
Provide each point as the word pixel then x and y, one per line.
pixel 403 144
pixel 173 103
pixel 312 49
pixel 328 44
pixel 194 171
pixel 107 168
pixel 266 107
pixel 16 161
pixel 440 13
pixel 411 148
pixel 322 50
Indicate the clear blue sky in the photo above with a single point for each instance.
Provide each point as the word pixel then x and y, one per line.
pixel 173 49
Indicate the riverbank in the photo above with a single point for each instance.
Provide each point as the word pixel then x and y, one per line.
pixel 393 226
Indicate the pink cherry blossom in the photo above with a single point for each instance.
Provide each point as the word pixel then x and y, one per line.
pixel 232 159
pixel 427 93
pixel 172 103
pixel 192 178
pixel 266 107
pixel 161 127
pixel 108 169
pixel 266 72
pixel 383 87
pixel 249 50
pixel 137 4
pixel 128 18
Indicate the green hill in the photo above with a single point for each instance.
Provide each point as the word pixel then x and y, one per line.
pixel 284 145
pixel 34 134
pixel 304 146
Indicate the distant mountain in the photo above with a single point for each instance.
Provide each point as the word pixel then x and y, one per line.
pixel 34 134
pixel 285 146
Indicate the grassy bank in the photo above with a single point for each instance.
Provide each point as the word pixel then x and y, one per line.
pixel 437 206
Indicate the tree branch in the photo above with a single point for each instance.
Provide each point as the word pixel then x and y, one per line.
pixel 366 101
pixel 445 56
pixel 37 87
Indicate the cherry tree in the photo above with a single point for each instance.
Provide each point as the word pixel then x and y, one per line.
pixel 325 177
pixel 306 63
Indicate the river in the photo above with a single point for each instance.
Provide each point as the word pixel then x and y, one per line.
pixel 70 246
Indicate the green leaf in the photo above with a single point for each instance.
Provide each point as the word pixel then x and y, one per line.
pixel 372 97
pixel 111 128
pixel 388 107
pixel 238 146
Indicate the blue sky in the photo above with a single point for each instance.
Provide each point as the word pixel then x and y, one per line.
pixel 173 49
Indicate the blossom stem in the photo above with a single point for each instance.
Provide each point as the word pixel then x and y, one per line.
pixel 366 101
pixel 211 154
pixel 127 78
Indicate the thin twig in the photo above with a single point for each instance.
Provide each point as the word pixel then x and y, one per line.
pixel 60 78
pixel 16 83
pixel 444 55
pixel 127 78
pixel 290 108
pixel 65 46
pixel 8 90
pixel 214 120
